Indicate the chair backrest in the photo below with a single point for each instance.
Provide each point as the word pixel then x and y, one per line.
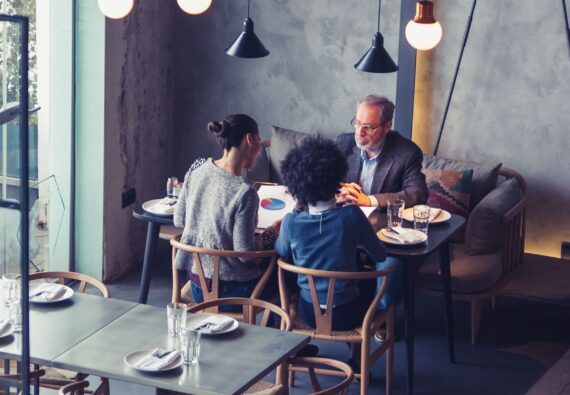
pixel 514 222
pixel 248 304
pixel 324 320
pixel 76 388
pixel 83 279
pixel 332 367
pixel 213 292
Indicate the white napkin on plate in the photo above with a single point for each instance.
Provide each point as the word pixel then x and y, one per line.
pixel 152 362
pixel 433 213
pixel 403 235
pixel 164 206
pixel 47 292
pixel 213 323
pixel 4 324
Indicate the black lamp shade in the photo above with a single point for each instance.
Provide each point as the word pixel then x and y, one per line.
pixel 247 45
pixel 376 60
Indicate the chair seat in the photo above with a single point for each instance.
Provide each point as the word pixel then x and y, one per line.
pixel 353 335
pixel 469 273
pixel 263 387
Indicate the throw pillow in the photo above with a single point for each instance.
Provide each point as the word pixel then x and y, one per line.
pixel 484 231
pixel 260 169
pixel 484 175
pixel 450 189
pixel 282 140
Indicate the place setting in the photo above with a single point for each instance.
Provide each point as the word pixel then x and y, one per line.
pixel 46 293
pixel 165 207
pixel 396 234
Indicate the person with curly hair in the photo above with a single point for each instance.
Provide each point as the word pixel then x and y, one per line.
pixel 218 210
pixel 325 236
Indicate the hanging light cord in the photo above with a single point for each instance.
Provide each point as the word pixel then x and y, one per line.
pixel 248 4
pixel 379 7
pixel 567 25
pixel 465 36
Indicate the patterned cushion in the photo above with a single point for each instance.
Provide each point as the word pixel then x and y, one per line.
pixel 451 190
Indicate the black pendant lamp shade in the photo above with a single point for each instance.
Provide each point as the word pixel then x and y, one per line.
pixel 376 59
pixel 247 45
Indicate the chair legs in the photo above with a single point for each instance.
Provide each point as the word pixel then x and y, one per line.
pixel 476 306
pixel 389 353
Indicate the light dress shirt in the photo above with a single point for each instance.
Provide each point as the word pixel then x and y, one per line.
pixel 367 174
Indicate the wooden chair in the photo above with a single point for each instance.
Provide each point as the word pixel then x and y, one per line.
pixel 60 378
pixel 213 293
pixel 358 337
pixel 8 381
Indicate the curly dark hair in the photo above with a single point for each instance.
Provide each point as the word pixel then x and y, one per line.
pixel 314 169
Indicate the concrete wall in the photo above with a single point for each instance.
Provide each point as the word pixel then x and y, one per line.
pixel 139 138
pixel 511 102
pixel 307 83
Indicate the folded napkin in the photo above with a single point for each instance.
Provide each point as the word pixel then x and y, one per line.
pixel 4 324
pixel 433 213
pixel 164 206
pixel 154 362
pixel 213 323
pixel 403 235
pixel 47 292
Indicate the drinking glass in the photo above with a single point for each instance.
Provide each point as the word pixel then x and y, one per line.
pixel 421 218
pixel 16 315
pixel 11 288
pixel 190 345
pixel 171 183
pixel 395 212
pixel 176 316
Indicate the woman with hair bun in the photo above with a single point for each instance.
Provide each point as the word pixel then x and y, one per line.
pixel 218 210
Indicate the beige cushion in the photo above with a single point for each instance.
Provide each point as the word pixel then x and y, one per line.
pixel 484 231
pixel 282 140
pixel 484 175
pixel 469 273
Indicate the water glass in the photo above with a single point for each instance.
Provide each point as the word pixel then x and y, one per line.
pixel 16 316
pixel 171 183
pixel 395 212
pixel 176 316
pixel 421 218
pixel 11 288
pixel 190 345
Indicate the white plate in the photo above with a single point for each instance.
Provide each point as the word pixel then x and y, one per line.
pixel 133 358
pixel 389 240
pixel 200 317
pixel 444 216
pixel 149 207
pixel 68 294
pixel 8 330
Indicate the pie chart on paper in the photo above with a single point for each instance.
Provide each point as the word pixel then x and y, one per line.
pixel 272 204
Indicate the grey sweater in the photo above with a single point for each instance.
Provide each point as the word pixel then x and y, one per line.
pixel 218 210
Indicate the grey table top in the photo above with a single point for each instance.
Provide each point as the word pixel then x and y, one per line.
pixel 228 363
pixel 55 328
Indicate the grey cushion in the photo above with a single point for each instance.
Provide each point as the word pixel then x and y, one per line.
pixel 469 273
pixel 260 169
pixel 484 175
pixel 282 140
pixel 484 231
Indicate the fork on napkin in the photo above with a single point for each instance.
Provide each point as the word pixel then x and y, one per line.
pixel 402 235
pixel 213 323
pixel 158 359
pixel 434 213
pixel 47 292
pixel 164 206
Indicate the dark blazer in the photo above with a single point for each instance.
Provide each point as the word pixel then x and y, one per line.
pixel 398 173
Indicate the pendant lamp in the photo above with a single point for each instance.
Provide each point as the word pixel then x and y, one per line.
pixel 423 32
pixel 247 45
pixel 115 9
pixel 377 60
pixel 194 7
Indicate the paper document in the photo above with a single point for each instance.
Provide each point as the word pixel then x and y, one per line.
pixel 367 210
pixel 271 198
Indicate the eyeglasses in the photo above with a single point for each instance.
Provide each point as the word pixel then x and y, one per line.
pixel 368 129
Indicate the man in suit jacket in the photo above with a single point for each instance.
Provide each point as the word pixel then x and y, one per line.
pixel 382 165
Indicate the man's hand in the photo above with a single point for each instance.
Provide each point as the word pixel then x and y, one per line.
pixel 351 193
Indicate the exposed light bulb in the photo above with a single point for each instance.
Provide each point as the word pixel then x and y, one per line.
pixel 423 36
pixel 115 9
pixel 194 7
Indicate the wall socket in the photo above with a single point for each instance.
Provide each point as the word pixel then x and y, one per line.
pixel 128 197
pixel 565 253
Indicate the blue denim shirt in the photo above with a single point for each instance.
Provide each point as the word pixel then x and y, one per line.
pixel 368 170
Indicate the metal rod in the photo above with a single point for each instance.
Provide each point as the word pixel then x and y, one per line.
pixel 567 25
pixel 72 265
pixel 248 5
pixel 464 43
pixel 379 7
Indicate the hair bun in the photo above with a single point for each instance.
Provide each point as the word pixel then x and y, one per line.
pixel 217 128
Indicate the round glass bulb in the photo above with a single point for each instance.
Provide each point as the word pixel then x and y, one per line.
pixel 423 36
pixel 194 7
pixel 115 9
